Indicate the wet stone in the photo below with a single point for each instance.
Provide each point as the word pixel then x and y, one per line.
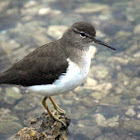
pixel 138 115
pixel 23 106
pixel 111 100
pixel 100 120
pixel 92 8
pixel 89 102
pixel 103 87
pixel 80 111
pixel 87 130
pixel 97 95
pixel 99 71
pixel 132 49
pixel 8 120
pixel 78 89
pixel 137 29
pixel 130 112
pixel 44 127
pixel 137 54
pixel 56 31
pixel 12 95
pixel 113 122
pixel 132 125
pixel 32 114
pixel 4 5
pixel 134 101
pixel 90 82
pixel 108 136
pixel 134 82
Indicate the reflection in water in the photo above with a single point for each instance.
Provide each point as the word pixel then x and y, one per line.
pixel 107 105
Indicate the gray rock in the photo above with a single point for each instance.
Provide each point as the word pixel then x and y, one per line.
pixel 113 122
pixel 100 120
pixel 4 5
pixel 138 115
pixel 56 31
pixel 100 71
pixel 12 95
pixel 134 83
pixel 111 100
pixel 9 127
pixel 93 8
pixel 137 29
pixel 88 131
pixel 132 125
pixel 103 122
pixel 8 122
pixel 97 95
pixel 108 136
pixel 130 112
pixel 25 105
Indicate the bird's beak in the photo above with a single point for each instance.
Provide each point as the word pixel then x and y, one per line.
pixel 96 40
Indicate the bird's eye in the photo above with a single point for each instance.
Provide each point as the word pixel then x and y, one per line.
pixel 83 35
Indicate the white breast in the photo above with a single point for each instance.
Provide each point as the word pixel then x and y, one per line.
pixel 71 79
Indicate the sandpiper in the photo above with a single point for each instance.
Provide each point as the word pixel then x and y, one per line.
pixel 57 67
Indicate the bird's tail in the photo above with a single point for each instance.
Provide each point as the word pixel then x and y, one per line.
pixel 7 77
pixel 3 78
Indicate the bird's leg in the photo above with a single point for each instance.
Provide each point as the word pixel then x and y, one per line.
pixel 56 107
pixel 50 113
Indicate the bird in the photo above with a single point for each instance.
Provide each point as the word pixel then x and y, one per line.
pixel 57 67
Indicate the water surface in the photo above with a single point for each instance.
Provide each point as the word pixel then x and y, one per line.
pixel 107 105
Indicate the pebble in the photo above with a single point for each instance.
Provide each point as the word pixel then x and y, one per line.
pixel 138 115
pixel 97 95
pixel 44 11
pixel 108 136
pixel 113 122
pixel 8 122
pixel 90 82
pixel 12 95
pixel 130 112
pixel 137 29
pixel 101 121
pixel 89 131
pixel 56 31
pixel 100 71
pixel 132 125
pixel 92 8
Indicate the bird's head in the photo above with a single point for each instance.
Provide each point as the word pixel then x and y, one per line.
pixel 82 33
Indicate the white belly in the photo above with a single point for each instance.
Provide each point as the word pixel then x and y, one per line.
pixel 71 79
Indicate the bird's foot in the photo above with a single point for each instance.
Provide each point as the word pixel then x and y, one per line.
pixel 59 120
pixel 60 110
pixel 57 108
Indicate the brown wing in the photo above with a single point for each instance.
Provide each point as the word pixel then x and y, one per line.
pixel 42 66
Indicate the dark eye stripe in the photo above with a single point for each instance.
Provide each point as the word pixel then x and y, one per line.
pixel 82 34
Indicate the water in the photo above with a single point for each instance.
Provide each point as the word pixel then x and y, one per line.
pixel 107 105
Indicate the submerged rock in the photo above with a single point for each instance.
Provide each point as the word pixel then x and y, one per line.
pixel 9 122
pixel 12 94
pixel 131 112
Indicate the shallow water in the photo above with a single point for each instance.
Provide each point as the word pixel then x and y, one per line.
pixel 107 105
